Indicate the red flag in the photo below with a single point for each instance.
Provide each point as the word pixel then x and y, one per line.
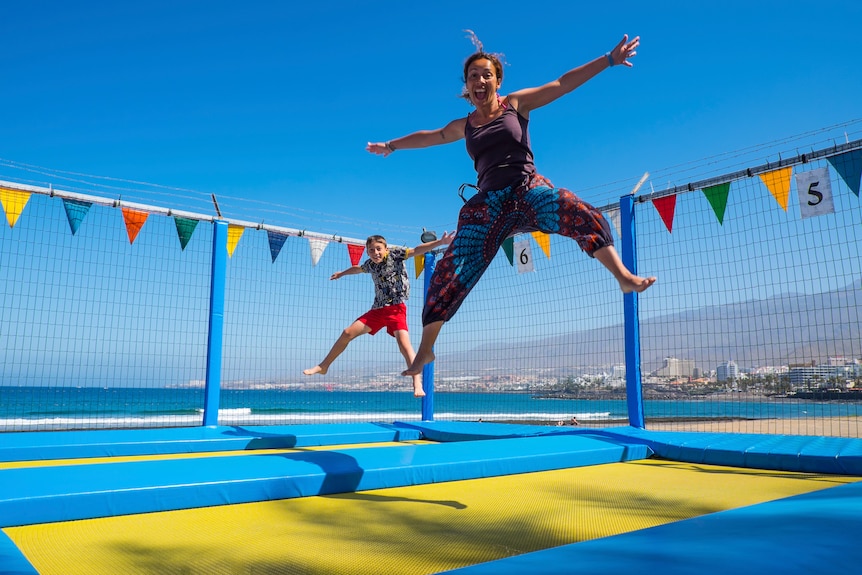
pixel 355 251
pixel 665 207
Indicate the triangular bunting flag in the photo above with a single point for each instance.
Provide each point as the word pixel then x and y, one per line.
pixel 13 202
pixel 544 241
pixel 717 196
pixel 234 233
pixel 185 229
pixel 778 183
pixel 666 207
pixel 420 264
pixel 509 248
pixel 355 253
pixel 317 246
pixel 75 212
pixel 849 167
pixel 614 216
pixel 134 222
pixel 276 242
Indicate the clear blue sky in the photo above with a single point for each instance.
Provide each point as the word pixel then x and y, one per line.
pixel 269 104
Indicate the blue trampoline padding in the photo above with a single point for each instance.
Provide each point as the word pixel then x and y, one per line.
pixel 811 533
pixel 35 446
pixel 803 453
pixel 474 430
pixel 12 561
pixel 47 494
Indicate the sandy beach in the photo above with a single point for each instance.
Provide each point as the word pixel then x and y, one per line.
pixel 824 426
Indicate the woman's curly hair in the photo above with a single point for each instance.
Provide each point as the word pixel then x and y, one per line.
pixel 497 59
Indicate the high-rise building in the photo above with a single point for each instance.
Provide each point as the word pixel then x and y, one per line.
pixel 674 367
pixel 727 371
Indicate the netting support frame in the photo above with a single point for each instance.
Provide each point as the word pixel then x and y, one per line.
pixel 428 369
pixel 216 323
pixel 634 388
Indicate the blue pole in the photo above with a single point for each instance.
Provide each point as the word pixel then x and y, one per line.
pixel 428 370
pixel 216 323
pixel 634 387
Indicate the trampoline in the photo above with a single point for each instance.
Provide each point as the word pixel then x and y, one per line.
pixel 438 497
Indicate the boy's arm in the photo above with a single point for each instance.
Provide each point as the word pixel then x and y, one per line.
pixel 352 270
pixel 428 246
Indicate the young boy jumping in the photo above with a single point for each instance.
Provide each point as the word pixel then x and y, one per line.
pixel 391 290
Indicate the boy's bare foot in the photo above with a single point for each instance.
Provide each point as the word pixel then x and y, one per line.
pixel 418 363
pixel 636 284
pixel 418 391
pixel 314 370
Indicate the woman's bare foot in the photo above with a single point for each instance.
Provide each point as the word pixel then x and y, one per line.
pixel 636 284
pixel 418 363
pixel 315 371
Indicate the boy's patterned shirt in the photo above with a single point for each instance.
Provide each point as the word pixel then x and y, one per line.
pixel 391 283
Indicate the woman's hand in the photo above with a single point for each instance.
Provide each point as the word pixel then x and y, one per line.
pixel 625 50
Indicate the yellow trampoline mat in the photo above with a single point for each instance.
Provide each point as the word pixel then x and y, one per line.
pixel 420 529
pixel 97 460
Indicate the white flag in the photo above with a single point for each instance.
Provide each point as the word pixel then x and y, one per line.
pixel 524 255
pixel 614 216
pixel 815 193
pixel 317 246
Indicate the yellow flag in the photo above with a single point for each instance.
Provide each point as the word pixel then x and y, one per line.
pixel 420 264
pixel 544 241
pixel 13 202
pixel 234 233
pixel 778 183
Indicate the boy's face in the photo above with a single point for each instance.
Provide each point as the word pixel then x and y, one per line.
pixel 377 251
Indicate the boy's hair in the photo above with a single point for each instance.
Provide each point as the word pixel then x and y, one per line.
pixel 374 239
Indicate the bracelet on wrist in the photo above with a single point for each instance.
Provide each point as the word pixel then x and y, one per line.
pixel 390 147
pixel 610 59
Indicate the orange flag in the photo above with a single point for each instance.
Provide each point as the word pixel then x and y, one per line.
pixel 666 207
pixel 13 202
pixel 778 183
pixel 544 241
pixel 134 222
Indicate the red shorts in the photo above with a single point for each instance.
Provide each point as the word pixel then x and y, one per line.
pixel 392 317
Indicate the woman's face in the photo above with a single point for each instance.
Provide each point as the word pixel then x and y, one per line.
pixel 482 81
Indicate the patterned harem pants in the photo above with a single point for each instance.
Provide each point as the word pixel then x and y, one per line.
pixel 488 218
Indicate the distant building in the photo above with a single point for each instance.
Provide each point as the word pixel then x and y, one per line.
pixel 727 371
pixel 813 376
pixel 674 367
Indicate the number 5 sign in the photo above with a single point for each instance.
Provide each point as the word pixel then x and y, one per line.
pixel 524 255
pixel 815 193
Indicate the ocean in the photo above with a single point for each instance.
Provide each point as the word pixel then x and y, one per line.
pixel 58 408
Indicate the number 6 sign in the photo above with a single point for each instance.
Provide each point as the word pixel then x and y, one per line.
pixel 524 255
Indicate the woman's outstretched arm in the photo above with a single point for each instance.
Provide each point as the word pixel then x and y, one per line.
pixel 452 132
pixel 532 98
